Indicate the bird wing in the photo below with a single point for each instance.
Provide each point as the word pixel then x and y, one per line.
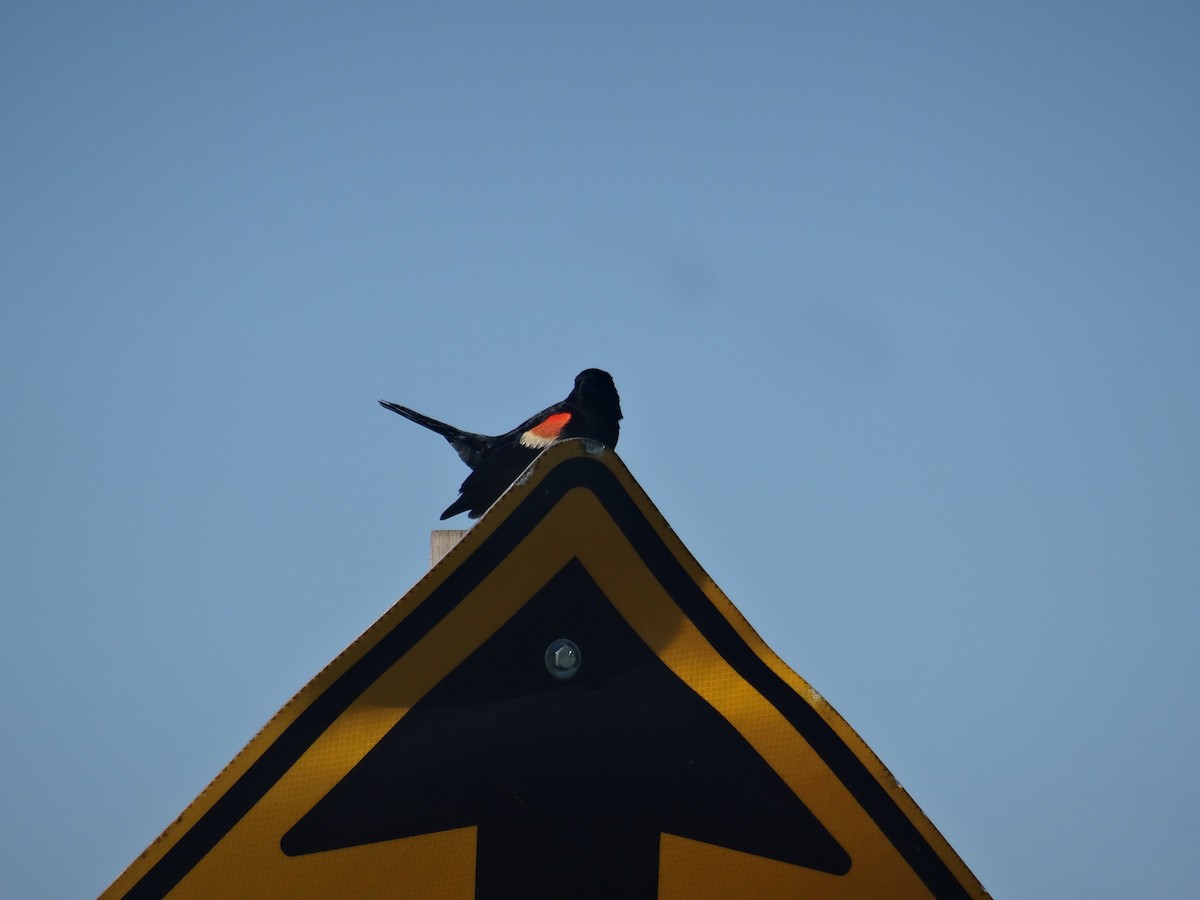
pixel 545 432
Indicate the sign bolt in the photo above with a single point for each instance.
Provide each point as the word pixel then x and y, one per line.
pixel 563 659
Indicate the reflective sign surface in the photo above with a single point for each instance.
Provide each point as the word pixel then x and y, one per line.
pixel 565 703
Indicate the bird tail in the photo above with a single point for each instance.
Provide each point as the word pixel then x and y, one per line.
pixel 446 431
pixel 466 444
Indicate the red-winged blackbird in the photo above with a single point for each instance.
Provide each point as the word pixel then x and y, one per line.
pixel 591 410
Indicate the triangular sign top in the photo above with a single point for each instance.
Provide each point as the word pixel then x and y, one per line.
pixel 565 704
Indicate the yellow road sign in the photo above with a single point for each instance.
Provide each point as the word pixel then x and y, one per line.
pixel 565 704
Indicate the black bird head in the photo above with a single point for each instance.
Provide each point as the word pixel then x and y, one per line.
pixel 595 388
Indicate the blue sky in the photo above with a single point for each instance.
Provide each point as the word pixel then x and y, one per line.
pixel 903 301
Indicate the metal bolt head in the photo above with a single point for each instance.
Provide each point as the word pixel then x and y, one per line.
pixel 563 659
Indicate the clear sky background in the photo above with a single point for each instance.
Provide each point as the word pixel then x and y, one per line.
pixel 903 301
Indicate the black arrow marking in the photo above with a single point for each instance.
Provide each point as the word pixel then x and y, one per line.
pixel 569 782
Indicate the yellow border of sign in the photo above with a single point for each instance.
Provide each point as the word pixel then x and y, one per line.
pixel 246 861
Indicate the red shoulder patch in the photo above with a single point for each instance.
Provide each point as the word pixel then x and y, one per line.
pixel 546 432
